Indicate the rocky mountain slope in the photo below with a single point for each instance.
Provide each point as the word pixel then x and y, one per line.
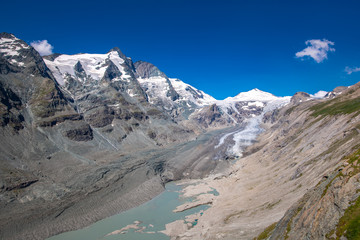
pixel 300 180
pixel 170 94
pixel 331 209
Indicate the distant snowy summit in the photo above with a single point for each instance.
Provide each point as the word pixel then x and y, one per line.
pixel 235 110
pixel 252 99
pixel 252 95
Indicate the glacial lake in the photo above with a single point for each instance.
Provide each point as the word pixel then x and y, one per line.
pixel 152 215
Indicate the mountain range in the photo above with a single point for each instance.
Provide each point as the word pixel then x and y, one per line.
pixel 85 136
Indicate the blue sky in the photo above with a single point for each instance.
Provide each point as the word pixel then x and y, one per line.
pixel 222 47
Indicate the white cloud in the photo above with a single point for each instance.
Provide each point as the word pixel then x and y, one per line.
pixel 43 47
pixel 350 70
pixel 317 49
pixel 319 94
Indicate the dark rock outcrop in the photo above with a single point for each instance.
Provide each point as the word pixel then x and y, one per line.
pixel 100 116
pixel 300 97
pixel 210 116
pixel 336 91
pixel 81 133
pixel 148 70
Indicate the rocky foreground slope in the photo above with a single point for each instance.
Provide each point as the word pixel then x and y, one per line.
pixel 300 180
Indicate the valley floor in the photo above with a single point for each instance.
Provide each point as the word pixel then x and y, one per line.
pixel 113 194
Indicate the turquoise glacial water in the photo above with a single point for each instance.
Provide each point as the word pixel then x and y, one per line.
pixel 153 215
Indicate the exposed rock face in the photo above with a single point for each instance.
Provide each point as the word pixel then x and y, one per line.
pixel 18 56
pixel 171 95
pixel 317 214
pixel 147 70
pixel 31 88
pixel 336 91
pixel 100 116
pixel 210 116
pixel 300 97
pixel 80 133
pixel 10 106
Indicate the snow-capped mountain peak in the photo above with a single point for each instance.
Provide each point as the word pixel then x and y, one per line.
pixel 17 56
pixel 246 105
pixel 320 94
pixel 119 52
pixel 11 48
pixel 253 95
pixel 171 94
pixel 94 65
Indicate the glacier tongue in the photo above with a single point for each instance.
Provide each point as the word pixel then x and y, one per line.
pixel 247 135
pixel 253 128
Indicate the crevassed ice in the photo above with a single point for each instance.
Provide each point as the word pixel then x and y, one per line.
pixel 246 137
